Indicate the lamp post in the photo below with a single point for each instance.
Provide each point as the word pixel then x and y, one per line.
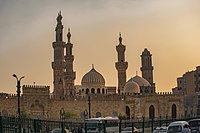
pixel 18 91
pixel 62 112
pixel 89 105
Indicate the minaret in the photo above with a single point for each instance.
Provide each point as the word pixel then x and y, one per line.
pixel 58 64
pixel 121 65
pixel 70 75
pixel 147 67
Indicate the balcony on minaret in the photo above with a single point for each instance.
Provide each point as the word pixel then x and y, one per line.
pixel 121 66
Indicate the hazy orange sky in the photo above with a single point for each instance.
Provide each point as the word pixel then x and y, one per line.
pixel 170 29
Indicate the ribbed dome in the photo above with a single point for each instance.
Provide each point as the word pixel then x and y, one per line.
pixel 140 81
pixel 93 78
pixel 131 87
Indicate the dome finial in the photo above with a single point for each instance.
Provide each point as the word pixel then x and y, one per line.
pixel 68 35
pixel 136 73
pixel 92 66
pixel 120 38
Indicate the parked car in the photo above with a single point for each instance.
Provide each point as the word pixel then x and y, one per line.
pixel 160 130
pixel 129 130
pixel 178 127
pixel 194 125
pixel 112 129
pixel 59 130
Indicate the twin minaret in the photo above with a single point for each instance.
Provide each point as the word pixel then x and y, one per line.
pixel 63 74
pixel 121 66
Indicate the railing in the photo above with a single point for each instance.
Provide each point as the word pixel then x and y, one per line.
pixel 13 125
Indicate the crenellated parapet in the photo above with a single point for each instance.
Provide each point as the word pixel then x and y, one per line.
pixel 7 96
pixel 35 89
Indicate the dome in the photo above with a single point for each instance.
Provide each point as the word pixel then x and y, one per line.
pixel 93 78
pixel 140 81
pixel 131 87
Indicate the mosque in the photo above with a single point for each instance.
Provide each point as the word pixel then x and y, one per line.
pixel 134 98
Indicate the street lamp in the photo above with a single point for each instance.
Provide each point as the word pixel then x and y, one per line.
pixel 89 106
pixel 18 91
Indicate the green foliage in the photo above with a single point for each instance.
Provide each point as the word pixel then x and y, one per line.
pixel 68 115
pixel 24 115
pixel 122 117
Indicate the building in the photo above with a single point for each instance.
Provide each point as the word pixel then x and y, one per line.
pixel 189 85
pixel 134 98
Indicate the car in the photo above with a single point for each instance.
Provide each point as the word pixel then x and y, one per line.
pixel 112 129
pixel 129 130
pixel 178 127
pixel 194 125
pixel 59 130
pixel 162 129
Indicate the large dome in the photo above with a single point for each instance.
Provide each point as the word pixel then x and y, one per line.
pixel 140 81
pixel 93 78
pixel 131 87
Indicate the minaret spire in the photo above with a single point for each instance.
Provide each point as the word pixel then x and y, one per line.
pixel 58 61
pixel 120 38
pixel 70 74
pixel 68 35
pixel 121 65
pixel 59 28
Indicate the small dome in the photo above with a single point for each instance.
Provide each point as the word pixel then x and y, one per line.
pixel 93 78
pixel 140 81
pixel 131 87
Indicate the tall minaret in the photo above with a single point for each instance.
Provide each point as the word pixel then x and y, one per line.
pixel 58 64
pixel 70 75
pixel 147 67
pixel 121 65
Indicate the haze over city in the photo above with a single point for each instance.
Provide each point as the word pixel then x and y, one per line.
pixel 169 29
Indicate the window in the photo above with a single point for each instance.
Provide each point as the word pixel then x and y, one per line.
pixel 128 112
pixel 173 111
pixel 87 91
pixel 92 90
pixel 151 112
pixel 98 91
pixel 103 91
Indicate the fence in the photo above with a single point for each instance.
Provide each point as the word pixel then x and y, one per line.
pixel 22 125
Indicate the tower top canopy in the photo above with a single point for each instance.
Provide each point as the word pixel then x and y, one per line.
pixel 120 38
pixel 68 35
pixel 59 18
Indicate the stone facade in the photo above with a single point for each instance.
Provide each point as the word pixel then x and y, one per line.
pixel 189 85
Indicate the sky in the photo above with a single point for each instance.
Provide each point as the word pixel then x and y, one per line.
pixel 170 29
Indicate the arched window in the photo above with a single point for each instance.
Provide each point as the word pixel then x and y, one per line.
pixel 128 112
pixel 103 91
pixel 98 91
pixel 98 114
pixel 173 111
pixel 151 112
pixel 92 90
pixel 87 91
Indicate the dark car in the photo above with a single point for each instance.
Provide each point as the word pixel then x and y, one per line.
pixel 194 125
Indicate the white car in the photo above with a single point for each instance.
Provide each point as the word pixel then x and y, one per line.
pixel 160 130
pixel 59 130
pixel 178 127
pixel 129 130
